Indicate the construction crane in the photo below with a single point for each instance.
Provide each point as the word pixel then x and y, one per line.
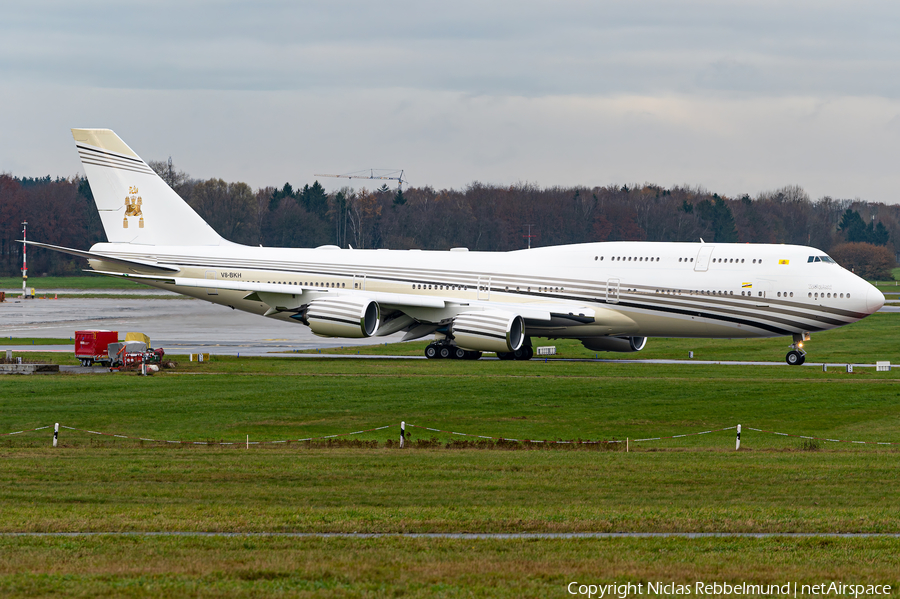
pixel 373 173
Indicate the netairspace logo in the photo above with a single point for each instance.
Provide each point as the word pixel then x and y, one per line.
pixel 719 589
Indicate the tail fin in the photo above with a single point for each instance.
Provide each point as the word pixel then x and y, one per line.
pixel 135 204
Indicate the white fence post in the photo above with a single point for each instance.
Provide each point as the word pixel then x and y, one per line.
pixel 402 434
pixel 737 445
pixel 55 434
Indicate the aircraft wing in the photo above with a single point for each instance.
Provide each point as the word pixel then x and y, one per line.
pixel 428 311
pixel 428 308
pixel 286 293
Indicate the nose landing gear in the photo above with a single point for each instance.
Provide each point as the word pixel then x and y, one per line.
pixel 797 356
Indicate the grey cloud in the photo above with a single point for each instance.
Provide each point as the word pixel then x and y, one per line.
pixel 518 48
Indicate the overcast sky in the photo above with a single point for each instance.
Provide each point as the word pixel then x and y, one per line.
pixel 737 97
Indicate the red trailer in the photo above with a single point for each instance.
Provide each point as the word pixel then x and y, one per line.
pixel 91 346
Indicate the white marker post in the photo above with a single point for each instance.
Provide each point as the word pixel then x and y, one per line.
pixel 737 444
pixel 402 434
pixel 248 441
pixel 55 434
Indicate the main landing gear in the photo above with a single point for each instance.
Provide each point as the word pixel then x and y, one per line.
pixel 526 352
pixel 445 350
pixel 797 356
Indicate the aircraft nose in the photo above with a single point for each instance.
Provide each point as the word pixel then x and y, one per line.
pixel 874 300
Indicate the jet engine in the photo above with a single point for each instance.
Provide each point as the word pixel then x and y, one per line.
pixel 620 344
pixel 343 316
pixel 490 330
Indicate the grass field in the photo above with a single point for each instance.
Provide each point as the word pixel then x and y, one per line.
pixel 17 341
pixel 398 567
pixel 449 483
pixel 80 282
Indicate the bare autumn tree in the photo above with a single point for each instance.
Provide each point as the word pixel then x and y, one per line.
pixel 869 261
pixel 229 208
pixel 363 214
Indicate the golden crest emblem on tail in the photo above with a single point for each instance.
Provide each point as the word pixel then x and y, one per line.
pixel 133 207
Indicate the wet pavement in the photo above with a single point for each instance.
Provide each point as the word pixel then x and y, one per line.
pixel 178 326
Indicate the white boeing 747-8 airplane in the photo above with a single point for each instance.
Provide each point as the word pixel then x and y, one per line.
pixel 610 296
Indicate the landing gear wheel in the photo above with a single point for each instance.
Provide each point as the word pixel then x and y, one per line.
pixel 444 352
pixel 431 352
pixel 473 355
pixel 524 353
pixel 459 353
pixel 506 355
pixel 794 358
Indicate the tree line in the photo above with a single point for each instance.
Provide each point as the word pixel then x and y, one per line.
pixel 61 211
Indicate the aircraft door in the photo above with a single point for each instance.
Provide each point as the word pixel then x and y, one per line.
pixel 612 291
pixel 484 288
pixel 703 256
pixel 359 282
pixel 211 276
pixel 762 289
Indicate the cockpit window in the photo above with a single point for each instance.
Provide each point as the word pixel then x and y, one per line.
pixel 821 259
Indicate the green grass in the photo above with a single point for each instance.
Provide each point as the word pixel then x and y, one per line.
pixel 80 282
pixel 692 483
pixel 298 489
pixel 398 567
pixel 535 400
pixel 16 341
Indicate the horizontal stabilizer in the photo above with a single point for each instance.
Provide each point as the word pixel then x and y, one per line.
pixel 127 262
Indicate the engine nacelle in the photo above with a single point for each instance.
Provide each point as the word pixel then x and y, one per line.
pixel 620 344
pixel 343 316
pixel 490 330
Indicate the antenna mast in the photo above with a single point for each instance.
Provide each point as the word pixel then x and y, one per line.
pixel 24 257
pixel 529 236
